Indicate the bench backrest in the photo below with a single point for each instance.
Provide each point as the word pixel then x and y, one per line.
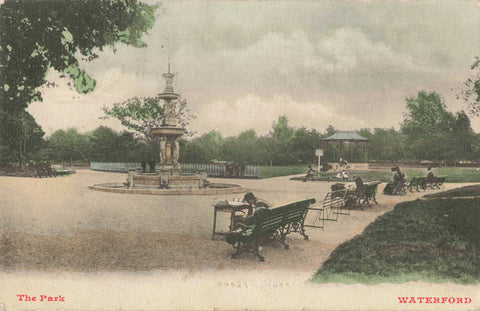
pixel 371 189
pixel 269 220
pixel 334 198
pixel 415 181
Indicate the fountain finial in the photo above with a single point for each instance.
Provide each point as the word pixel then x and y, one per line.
pixel 169 80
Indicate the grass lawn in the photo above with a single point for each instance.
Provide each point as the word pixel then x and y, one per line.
pixel 467 191
pixel 430 240
pixel 454 175
pixel 275 171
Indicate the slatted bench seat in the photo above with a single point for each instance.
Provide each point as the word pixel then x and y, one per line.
pixel 270 224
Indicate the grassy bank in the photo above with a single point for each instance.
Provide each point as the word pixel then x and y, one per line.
pixel 432 240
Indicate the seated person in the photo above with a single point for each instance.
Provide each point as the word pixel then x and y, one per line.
pixel 255 203
pixel 342 162
pixel 310 174
pixel 359 185
pixel 430 177
pixel 342 175
pixel 390 187
pixel 325 166
pixel 396 185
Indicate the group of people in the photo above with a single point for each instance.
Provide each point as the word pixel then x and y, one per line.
pixel 151 166
pixel 399 180
pixel 324 167
pixel 236 169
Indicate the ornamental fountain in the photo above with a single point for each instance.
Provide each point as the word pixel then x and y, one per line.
pixel 168 178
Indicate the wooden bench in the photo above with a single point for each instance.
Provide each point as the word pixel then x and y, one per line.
pixel 270 224
pixel 417 183
pixel 367 193
pixel 414 184
pixel 439 181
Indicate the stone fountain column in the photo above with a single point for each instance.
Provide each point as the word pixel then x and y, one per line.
pixel 169 133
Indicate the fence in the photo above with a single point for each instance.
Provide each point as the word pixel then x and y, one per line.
pixel 211 169
pixel 218 170
pixel 114 167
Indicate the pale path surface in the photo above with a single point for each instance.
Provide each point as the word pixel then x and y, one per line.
pixel 88 246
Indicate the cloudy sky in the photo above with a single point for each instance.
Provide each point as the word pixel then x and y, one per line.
pixel 242 64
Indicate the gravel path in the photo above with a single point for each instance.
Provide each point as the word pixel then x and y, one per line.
pixel 57 226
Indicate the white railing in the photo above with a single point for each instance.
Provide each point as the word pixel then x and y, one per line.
pixel 218 170
pixel 211 169
pixel 114 166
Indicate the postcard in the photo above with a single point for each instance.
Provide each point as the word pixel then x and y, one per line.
pixel 239 155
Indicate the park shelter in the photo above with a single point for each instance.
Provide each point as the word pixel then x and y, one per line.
pixel 348 137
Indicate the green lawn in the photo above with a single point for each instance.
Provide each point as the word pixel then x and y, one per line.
pixel 431 240
pixel 467 191
pixel 454 175
pixel 275 171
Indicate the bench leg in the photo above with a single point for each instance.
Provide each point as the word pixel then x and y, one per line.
pixel 239 249
pixel 302 231
pixel 257 253
pixel 282 241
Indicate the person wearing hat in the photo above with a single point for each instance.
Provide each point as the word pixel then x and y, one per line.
pixel 390 187
pixel 254 203
pixel 399 180
pixel 430 177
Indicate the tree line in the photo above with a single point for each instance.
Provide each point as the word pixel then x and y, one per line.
pixel 38 36
pixel 428 132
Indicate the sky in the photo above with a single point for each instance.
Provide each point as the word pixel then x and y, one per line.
pixel 242 64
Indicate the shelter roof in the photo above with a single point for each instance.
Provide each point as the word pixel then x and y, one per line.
pixel 346 137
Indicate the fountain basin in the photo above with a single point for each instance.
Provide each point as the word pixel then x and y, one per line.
pixel 211 189
pixel 153 180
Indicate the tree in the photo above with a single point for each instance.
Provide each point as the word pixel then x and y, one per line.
pixel 434 133
pixel 38 35
pixel 304 144
pixel 281 130
pixel 67 145
pixel 282 134
pixel 471 90
pixel 241 148
pixel 141 115
pixel 203 149
pixel 21 136
pixel 385 144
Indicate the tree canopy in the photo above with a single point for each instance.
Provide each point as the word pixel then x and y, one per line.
pixel 39 35
pixel 471 90
pixel 140 115
pixel 433 133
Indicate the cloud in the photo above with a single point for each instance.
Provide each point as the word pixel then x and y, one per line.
pixel 345 62
pixel 352 50
pixel 255 112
